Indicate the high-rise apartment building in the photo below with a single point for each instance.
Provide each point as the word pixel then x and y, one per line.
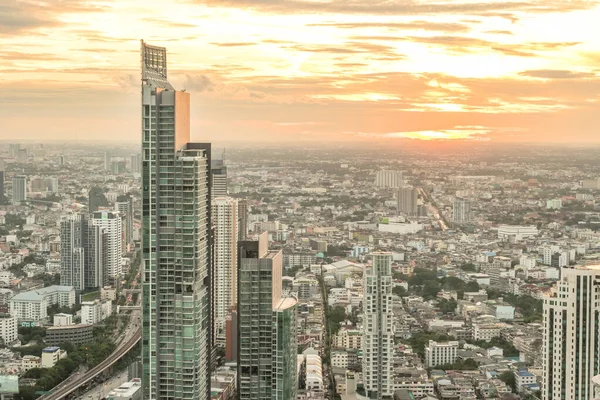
pixel 82 253
pixel 225 223
pixel 107 161
pixel 110 223
pixel 267 325
pixel 378 323
pixel 571 339
pixel 219 177
pixel 19 188
pixel 389 179
pixel 243 219
pixel 440 353
pixel 407 201
pixel 136 163
pixel 125 209
pixel 461 211
pixel 176 241
pixel 2 175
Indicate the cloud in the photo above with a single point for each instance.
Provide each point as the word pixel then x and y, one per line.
pixel 412 25
pixel 234 44
pixel 556 74
pixel 169 23
pixel 401 7
pixel 499 32
pixel 198 83
pixel 17 16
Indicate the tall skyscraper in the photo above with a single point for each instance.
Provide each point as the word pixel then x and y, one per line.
pixel 225 223
pixel 2 174
pixel 388 179
pixel 378 326
pixel 111 224
pixel 82 253
pixel 267 325
pixel 136 163
pixel 124 206
pixel 572 335
pixel 19 188
pixel 219 177
pixel 243 219
pixel 407 201
pixel 107 161
pixel 176 241
pixel 461 211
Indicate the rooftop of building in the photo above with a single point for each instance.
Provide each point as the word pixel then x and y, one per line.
pixel 286 303
pixel 525 373
pixel 38 294
pixel 76 326
pixel 51 349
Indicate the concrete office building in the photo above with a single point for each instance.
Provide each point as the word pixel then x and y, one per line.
pixel 136 163
pixel 82 253
pixel 571 337
pixel 388 179
pixel 19 189
pixel 111 225
pixel 107 161
pixel 407 201
pixel 378 335
pixel 267 325
pixel 225 223
pixel 461 211
pixel 176 241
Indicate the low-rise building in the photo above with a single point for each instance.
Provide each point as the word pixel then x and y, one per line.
pixel 76 334
pixel 131 390
pixel 8 329
pixel 63 319
pixel 29 362
pixel 51 355
pixel 95 311
pixel 440 353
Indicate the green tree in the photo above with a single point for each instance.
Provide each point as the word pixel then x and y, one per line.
pixel 399 291
pixel 508 377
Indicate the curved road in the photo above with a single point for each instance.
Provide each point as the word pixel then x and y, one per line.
pixel 62 391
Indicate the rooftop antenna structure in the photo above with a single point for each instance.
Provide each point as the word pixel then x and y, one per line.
pixel 154 66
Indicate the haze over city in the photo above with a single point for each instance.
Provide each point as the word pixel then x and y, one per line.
pixel 299 71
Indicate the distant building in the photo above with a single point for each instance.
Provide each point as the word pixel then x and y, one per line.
pixel 63 319
pixel 29 362
pixel 554 204
pixel 76 334
pixel 219 178
pixel 378 336
pixel 571 338
pixel 388 179
pixel 225 223
pixel 107 160
pixel 95 311
pixel 136 163
pixel 461 211
pixel 51 355
pixel 440 353
pixel 516 233
pixel 32 305
pixel 19 188
pixel 267 325
pixel 8 329
pixel 125 209
pixel 318 245
pixel 82 253
pixel 407 201
pixel 111 225
pixel 127 391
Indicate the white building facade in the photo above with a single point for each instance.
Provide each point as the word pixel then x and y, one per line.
pixel 111 223
pixel 571 338
pixel 378 335
pixel 440 353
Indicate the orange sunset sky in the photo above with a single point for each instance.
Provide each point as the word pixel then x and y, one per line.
pixel 297 70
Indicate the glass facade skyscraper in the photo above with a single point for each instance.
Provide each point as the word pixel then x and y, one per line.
pixel 176 241
pixel 267 325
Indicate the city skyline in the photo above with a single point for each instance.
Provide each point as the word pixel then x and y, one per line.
pixel 302 71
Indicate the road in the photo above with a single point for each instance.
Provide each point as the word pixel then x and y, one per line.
pixel 433 210
pixel 103 389
pixel 66 388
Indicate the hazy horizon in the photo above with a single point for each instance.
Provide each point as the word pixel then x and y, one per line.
pixel 303 71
